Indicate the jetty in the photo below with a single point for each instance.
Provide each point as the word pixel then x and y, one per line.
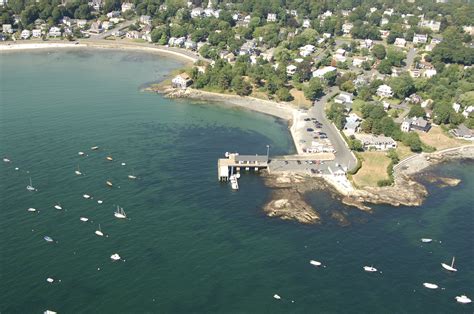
pixel 235 162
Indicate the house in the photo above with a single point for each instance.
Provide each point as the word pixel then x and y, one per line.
pixel 113 14
pixel 118 33
pixel 145 19
pixel 189 44
pixel 181 81
pixel 54 32
pixel 127 6
pixel 67 21
pixel 463 132
pixel 37 33
pixel 468 111
pixel 7 28
pixel 343 98
pixel 420 39
pixel 429 73
pixel 384 91
pixel 306 23
pixel 247 48
pixel 306 50
pixel 81 23
pixel 366 43
pixel 132 35
pixel 433 25
pixel 468 29
pixel 352 125
pixel 96 4
pixel 456 107
pixel 383 21
pixel 386 105
pixel 321 72
pixel 436 39
pixel 291 69
pixel 197 12
pixel 107 25
pixel 415 123
pixel 271 17
pixel 3 3
pixel 357 61
pixel 96 28
pixel 374 142
pixel 176 42
pixel 340 58
pixel 400 42
pixel 115 20
pixel 25 34
pixel 347 27
pixel 384 33
pixel 414 73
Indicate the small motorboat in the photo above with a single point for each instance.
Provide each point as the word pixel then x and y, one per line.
pixel 95 147
pixel 120 213
pixel 315 263
pixel 109 183
pixel 16 168
pixel 449 267
pixel 430 285
pixel 115 257
pixel 49 312
pixel 426 240
pixel 84 219
pixel 276 296
pixel 30 186
pixel 109 158
pixel 370 269
pixel 132 177
pixel 48 239
pixel 100 202
pixel 463 299
pixel 78 171
pixel 99 232
pixel 234 183
pixel 86 196
pixel 31 209
pixel 123 164
pixel 50 280
pixel 5 159
pixel 58 206
pixel 81 154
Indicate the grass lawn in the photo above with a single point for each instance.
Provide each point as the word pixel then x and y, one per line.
pixel 374 168
pixel 299 99
pixel 356 107
pixel 403 151
pixel 437 138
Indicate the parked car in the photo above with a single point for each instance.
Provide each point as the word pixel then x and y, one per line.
pixel 309 129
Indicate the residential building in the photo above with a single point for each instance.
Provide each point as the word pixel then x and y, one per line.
pixel 271 17
pixel 145 19
pixel 343 98
pixel 96 28
pixel 429 73
pixel 415 123
pixel 400 42
pixel 107 25
pixel 291 69
pixel 126 6
pixel 431 24
pixel 320 72
pixel 133 35
pixel 352 125
pixel 7 29
pixel 25 34
pixel 469 29
pixel 374 142
pixel 3 3
pixel 197 12
pixel 113 14
pixel 189 44
pixel 420 39
pixel 384 91
pixel 181 81
pixel 463 132
pixel 347 27
pixel 384 33
pixel 357 61
pixel 37 33
pixel 467 112
pixel 306 23
pixel 54 32
pixel 456 107
pixel 81 23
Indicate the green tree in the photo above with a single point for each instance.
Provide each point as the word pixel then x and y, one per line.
pixel 284 94
pixel 412 140
pixel 385 67
pixel 379 51
pixel 416 111
pixel 314 90
pixel 241 87
pixel 402 86
pixel 356 145
pixel 330 78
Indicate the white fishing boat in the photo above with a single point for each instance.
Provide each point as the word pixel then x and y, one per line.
pixel 30 186
pixel 99 232
pixel 463 299
pixel 5 159
pixel 109 158
pixel 84 219
pixel 86 196
pixel 449 267
pixel 78 171
pixel 276 296
pixel 95 147
pixel 50 280
pixel 115 257
pixel 100 202
pixel 370 269
pixel 120 213
pixel 31 209
pixel 426 240
pixel 49 312
pixel 430 285
pixel 58 206
pixel 109 183
pixel 315 263
pixel 81 154
pixel 48 239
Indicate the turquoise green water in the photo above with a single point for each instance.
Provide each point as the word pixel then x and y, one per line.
pixel 191 244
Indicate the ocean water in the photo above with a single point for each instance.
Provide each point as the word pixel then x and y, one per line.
pixel 191 245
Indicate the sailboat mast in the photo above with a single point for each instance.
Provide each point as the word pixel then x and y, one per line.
pixel 452 263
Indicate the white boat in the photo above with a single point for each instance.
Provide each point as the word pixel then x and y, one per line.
pixel 120 213
pixel 426 240
pixel 81 154
pixel 99 232
pixel 430 285
pixel 123 164
pixel 449 267
pixel 95 147
pixel 16 168
pixel 58 206
pixel 370 269
pixel 30 186
pixel 49 312
pixel 132 176
pixel 31 209
pixel 86 196
pixel 109 183
pixel 115 257
pixel 84 219
pixel 109 158
pixel 48 239
pixel 463 299
pixel 78 171
pixel 99 202
pixel 276 296
pixel 315 263
pixel 50 280
pixel 5 159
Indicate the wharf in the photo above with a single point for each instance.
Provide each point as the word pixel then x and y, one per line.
pixel 234 162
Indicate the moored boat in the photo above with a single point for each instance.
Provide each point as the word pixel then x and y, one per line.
pixel 30 186
pixel 31 209
pixel 78 171
pixel 48 239
pixel 120 213
pixel 430 285
pixel 109 158
pixel 115 257
pixel 99 232
pixel 58 206
pixel 109 183
pixel 463 299
pixel 315 263
pixel 86 196
pixel 449 267
pixel 95 147
pixel 426 240
pixel 5 159
pixel 84 219
pixel 370 269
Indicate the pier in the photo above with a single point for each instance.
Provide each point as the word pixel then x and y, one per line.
pixel 235 162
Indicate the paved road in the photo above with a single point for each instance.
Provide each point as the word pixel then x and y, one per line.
pixel 117 27
pixel 410 58
pixel 344 157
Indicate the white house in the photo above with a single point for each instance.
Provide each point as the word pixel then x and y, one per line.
pixel 384 91
pixel 433 25
pixel 370 142
pixel 132 35
pixel 357 61
pixel 126 6
pixel 321 72
pixel 189 44
pixel 400 42
pixel 25 34
pixel 145 19
pixel 343 98
pixel 271 17
pixel 306 23
pixel 306 50
pixel 197 12
pixel 112 14
pixel 37 33
pixel 429 73
pixel 291 69
pixel 347 27
pixel 420 39
pixel 456 107
pixel 3 3
pixel 405 126
pixel 81 23
pixel 54 32
pixel 107 25
pixel 366 43
pixel 352 125
pixel 467 111
pixel 181 81
pixel 7 28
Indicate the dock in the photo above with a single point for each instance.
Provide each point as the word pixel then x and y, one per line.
pixel 234 163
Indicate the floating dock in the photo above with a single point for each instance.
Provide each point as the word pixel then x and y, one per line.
pixel 234 162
